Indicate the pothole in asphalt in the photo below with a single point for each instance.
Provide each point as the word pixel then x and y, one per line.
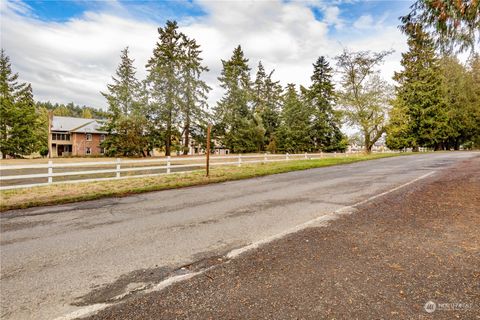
pixel 122 287
pixel 139 280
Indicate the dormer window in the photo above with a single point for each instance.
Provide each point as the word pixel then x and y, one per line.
pixel 89 137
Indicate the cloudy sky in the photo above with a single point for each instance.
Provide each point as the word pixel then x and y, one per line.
pixel 70 49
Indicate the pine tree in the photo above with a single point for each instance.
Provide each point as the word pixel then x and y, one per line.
pixel 325 127
pixel 453 24
pixel 473 94
pixel 267 103
pixel 419 107
pixel 42 128
pixel 165 81
pixel 127 125
pixel 461 124
pixel 18 124
pixel 195 90
pixel 294 131
pixel 236 125
pixel 124 95
pixel 23 131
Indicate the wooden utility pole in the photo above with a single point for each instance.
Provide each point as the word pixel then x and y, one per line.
pixel 208 149
pixel 49 139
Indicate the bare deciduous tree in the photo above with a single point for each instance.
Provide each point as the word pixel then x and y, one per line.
pixel 365 95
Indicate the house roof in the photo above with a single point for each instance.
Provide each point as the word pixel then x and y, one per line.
pixel 82 125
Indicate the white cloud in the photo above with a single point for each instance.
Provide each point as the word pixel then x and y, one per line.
pixel 332 16
pixel 74 60
pixel 364 22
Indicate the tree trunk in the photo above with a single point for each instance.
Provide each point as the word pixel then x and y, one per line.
pixel 168 138
pixel 367 142
pixel 187 135
pixel 457 145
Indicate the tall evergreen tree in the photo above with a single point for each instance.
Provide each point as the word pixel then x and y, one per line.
pixel 325 126
pixel 462 118
pixel 294 132
pixel 195 90
pixel 165 81
pixel 236 125
pixel 127 126
pixel 419 106
pixel 267 101
pixel 18 124
pixel 473 94
pixel 452 24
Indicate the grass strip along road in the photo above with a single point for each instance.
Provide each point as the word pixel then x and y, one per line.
pixel 65 193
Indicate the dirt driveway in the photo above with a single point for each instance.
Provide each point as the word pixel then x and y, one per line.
pixel 387 260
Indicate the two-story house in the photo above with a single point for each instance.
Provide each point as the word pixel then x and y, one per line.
pixel 76 136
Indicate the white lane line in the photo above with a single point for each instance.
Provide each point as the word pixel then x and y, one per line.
pixel 165 283
pixel 83 312
pixel 322 219
pixel 319 221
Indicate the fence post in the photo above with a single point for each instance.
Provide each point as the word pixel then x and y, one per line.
pixel 306 156
pixel 286 157
pixel 168 164
pixel 117 169
pixel 50 171
pixel 265 157
pixel 335 154
pixel 239 159
pixel 321 154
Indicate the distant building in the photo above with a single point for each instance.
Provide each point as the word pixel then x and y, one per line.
pixel 197 148
pixel 76 136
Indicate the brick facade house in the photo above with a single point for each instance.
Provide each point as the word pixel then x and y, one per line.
pixel 76 137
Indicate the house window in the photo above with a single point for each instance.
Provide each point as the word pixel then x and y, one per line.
pixel 89 137
pixel 102 150
pixel 61 136
pixel 88 151
pixel 102 137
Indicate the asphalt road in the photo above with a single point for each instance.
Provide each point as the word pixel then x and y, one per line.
pixel 388 259
pixel 56 260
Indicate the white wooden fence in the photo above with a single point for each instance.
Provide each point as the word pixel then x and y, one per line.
pixel 27 175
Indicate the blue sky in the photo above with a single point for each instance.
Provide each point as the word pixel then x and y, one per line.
pixel 69 50
pixel 62 11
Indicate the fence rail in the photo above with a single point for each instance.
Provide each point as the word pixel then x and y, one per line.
pixel 31 175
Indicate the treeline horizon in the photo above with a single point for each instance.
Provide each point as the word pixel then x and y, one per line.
pixel 435 103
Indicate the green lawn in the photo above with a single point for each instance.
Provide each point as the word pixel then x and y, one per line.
pixel 64 193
